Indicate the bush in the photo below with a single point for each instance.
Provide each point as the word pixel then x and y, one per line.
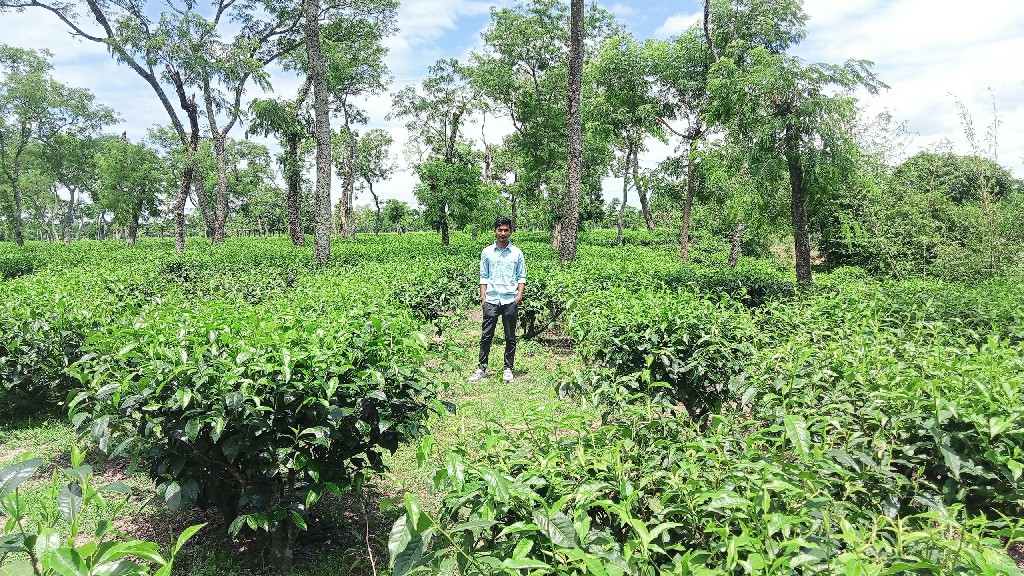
pixel 47 534
pixel 674 346
pixel 256 412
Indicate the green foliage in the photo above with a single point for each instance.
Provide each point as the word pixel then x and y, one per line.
pixel 946 215
pixel 44 536
pixel 861 424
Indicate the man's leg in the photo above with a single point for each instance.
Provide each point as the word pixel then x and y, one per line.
pixel 487 333
pixel 509 317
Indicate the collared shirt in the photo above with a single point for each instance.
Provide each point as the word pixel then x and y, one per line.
pixel 502 271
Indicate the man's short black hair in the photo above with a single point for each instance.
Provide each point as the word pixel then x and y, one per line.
pixel 502 221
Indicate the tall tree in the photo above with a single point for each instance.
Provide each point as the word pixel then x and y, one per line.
pixel 317 74
pixel 183 49
pixel 523 72
pixel 34 108
pixel 574 132
pixel 289 121
pixel 630 108
pixel 435 120
pixel 130 182
pixel 797 118
pixel 374 165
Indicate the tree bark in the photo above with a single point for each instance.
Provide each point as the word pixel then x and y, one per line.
pixel 684 237
pixel 220 210
pixel 293 175
pixel 445 239
pixel 376 204
pixel 133 224
pixel 798 188
pixel 348 177
pixel 282 546
pixel 574 132
pixel 625 192
pixel 69 217
pixel 737 236
pixel 318 78
pixel 188 173
pixel 645 205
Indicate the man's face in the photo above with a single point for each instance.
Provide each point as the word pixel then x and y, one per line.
pixel 501 233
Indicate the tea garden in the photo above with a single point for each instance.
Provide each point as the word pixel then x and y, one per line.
pixel 666 418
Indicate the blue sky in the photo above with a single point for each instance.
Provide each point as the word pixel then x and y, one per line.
pixel 932 54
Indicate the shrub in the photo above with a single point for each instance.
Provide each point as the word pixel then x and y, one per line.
pixel 258 412
pixel 47 533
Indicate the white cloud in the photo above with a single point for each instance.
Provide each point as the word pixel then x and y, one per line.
pixel 622 10
pixel 677 24
pixel 933 54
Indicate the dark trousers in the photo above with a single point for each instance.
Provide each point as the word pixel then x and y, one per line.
pixel 508 313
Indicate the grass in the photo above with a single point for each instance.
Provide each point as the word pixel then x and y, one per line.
pixel 346 536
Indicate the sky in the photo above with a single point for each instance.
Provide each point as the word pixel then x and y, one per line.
pixel 938 57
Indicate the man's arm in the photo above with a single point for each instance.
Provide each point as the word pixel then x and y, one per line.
pixel 520 278
pixel 485 274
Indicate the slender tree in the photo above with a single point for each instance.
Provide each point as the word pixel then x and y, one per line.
pixel 574 131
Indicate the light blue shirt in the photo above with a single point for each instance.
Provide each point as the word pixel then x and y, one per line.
pixel 502 271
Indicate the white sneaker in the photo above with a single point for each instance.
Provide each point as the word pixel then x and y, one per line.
pixel 477 376
pixel 507 375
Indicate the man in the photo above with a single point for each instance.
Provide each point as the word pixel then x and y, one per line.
pixel 502 281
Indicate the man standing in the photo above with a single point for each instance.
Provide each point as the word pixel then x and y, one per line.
pixel 502 281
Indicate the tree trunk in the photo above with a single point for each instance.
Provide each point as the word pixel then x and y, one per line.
pixel 348 221
pixel 69 217
pixel 684 237
pixel 282 546
pixel 376 204
pixel 318 78
pixel 574 133
pixel 220 209
pixel 179 209
pixel 203 204
pixel 293 175
pixel 556 238
pixel 188 174
pixel 445 240
pixel 19 230
pixel 133 224
pixel 737 236
pixel 347 181
pixel 645 205
pixel 625 192
pixel 798 187
pixel 514 205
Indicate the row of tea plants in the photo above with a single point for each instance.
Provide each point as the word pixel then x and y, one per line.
pixel 858 428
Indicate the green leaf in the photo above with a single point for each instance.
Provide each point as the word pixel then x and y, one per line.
pixel 69 501
pixel 409 556
pixel 952 459
pixel 559 529
pixel 192 429
pixel 47 540
pixel 118 568
pixel 525 564
pixel 185 536
pixel 473 525
pixel 17 568
pixel 172 495
pixel 65 562
pixel 12 476
pixel 796 431
pixel 497 484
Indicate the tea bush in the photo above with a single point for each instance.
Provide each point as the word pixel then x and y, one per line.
pixel 256 411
